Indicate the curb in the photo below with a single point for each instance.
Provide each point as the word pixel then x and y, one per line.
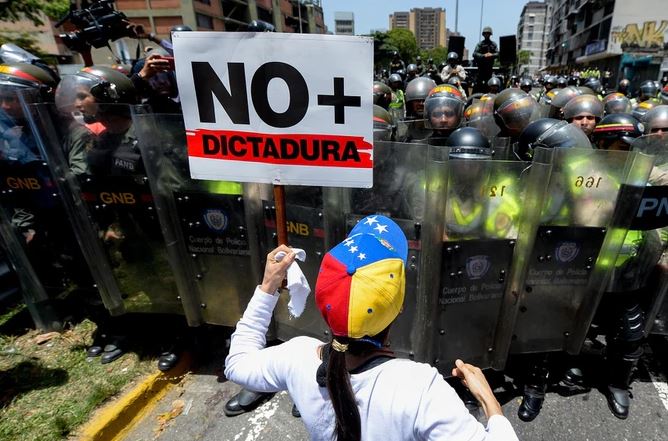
pixel 115 419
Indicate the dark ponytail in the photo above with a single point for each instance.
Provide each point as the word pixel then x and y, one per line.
pixel 333 374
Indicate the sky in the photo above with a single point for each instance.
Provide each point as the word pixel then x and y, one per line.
pixel 501 15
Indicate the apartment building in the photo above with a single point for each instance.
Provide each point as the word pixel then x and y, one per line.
pixel 344 23
pixel 533 31
pixel 427 24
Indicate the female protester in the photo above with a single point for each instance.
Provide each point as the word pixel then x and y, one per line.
pixel 353 388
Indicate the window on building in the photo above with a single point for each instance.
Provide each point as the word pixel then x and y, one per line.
pixel 204 21
pixel 531 19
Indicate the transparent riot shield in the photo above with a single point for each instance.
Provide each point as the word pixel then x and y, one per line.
pixel 101 174
pixel 586 210
pixel 481 211
pixel 38 238
pixel 211 226
pixel 306 230
pixel 398 193
pixel 652 220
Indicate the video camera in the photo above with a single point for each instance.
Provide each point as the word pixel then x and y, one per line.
pixel 97 24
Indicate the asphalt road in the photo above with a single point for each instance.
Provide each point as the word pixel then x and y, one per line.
pixel 580 417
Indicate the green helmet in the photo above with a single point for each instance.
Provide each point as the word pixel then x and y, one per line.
pixel 104 84
pixel 487 30
pixel 28 76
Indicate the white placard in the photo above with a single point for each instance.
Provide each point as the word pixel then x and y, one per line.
pixel 277 108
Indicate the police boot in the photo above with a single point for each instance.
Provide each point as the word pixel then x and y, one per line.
pixel 244 401
pixel 617 391
pixel 532 401
pixel 573 382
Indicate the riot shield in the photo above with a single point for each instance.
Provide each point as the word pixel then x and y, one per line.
pixel 398 193
pixel 652 220
pixel 101 174
pixel 586 211
pixel 306 230
pixel 211 226
pixel 38 238
pixel 483 210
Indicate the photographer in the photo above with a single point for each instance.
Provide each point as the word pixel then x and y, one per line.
pixel 155 83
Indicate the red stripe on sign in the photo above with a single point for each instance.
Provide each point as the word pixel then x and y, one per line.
pixel 289 149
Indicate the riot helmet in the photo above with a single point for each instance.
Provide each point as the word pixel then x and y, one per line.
pixel 454 81
pixel 584 111
pixel 562 97
pixel 642 108
pixel 526 84
pixel 616 132
pixel 401 73
pixel 383 124
pixel 616 102
pixel 382 94
pixel 573 80
pixel 91 90
pixel 443 112
pixel 453 58
pixel 416 92
pixel 468 143
pixel 494 84
pixel 623 86
pixel 594 84
pixel 549 133
pixel 514 113
pixel 550 82
pixel 27 77
pixel 395 81
pixel 411 71
pixel 656 120
pixel 562 82
pixel 648 89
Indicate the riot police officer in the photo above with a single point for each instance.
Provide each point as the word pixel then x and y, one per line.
pixel 624 87
pixel 411 72
pixel 648 91
pixel 584 111
pixel 397 63
pixel 416 92
pixel 382 94
pixel 656 120
pixel 494 84
pixel 398 103
pixel 526 84
pixel 443 110
pixel 420 66
pixel 484 55
pixel 620 313
pixel 513 111
pixel 453 69
pixel 616 102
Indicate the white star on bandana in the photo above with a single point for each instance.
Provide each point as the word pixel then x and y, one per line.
pixel 361 256
pixel 371 220
pixel 348 242
pixel 381 228
pixel 352 249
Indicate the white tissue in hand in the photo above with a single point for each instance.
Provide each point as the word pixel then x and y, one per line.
pixel 297 283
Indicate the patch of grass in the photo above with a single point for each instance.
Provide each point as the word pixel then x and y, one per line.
pixel 10 313
pixel 48 390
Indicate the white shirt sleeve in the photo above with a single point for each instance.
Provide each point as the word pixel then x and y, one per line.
pixel 249 363
pixel 442 415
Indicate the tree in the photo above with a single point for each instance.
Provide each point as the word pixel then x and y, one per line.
pixel 438 54
pixel 15 10
pixel 404 41
pixel 523 57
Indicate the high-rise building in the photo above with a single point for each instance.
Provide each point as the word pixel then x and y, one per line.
pixel 624 38
pixel 427 24
pixel 533 30
pixel 344 23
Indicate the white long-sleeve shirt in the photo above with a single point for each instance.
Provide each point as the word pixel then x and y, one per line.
pixel 398 400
